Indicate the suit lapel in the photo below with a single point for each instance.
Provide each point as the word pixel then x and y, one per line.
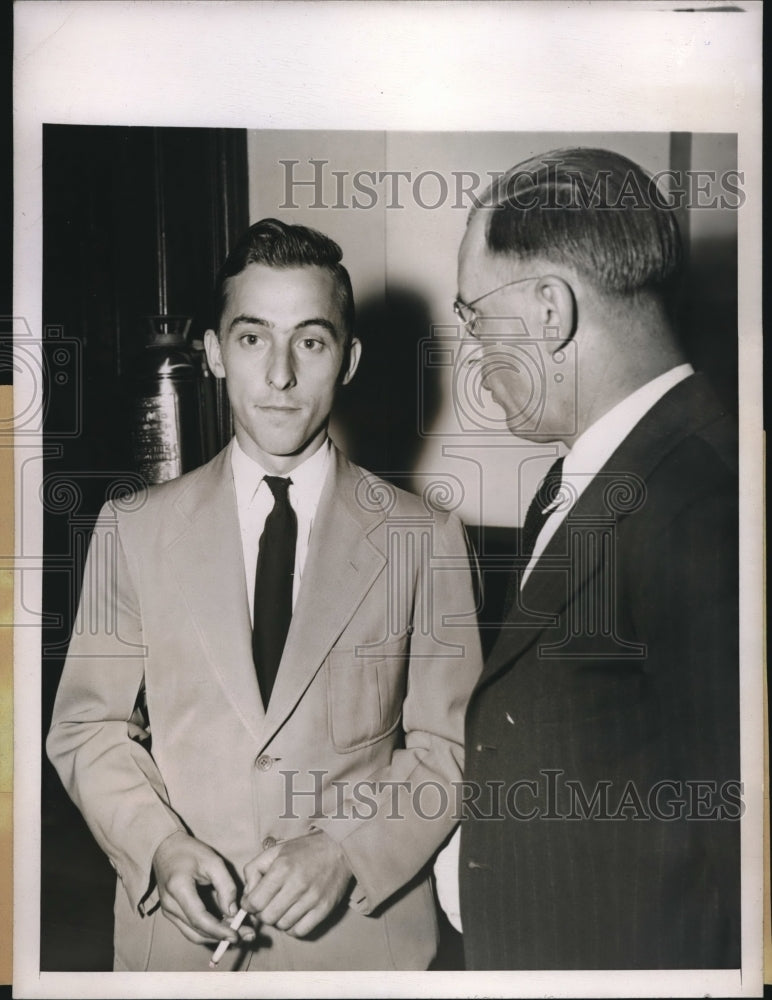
pixel 341 566
pixel 689 405
pixel 209 565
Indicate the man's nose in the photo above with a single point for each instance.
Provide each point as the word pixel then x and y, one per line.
pixel 281 371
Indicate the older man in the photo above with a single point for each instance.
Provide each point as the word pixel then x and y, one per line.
pixel 298 638
pixel 603 735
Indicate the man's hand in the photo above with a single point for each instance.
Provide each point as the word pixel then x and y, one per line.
pixel 296 884
pixel 180 864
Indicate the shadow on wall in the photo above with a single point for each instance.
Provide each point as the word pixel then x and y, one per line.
pixel 377 421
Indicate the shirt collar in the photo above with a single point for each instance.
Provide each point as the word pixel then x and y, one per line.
pixel 307 478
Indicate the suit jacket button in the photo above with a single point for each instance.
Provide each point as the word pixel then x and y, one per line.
pixel 477 866
pixel 268 843
pixel 264 762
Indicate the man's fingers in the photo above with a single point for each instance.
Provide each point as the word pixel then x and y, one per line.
pixel 311 920
pixel 185 929
pixel 252 877
pixel 181 864
pixel 257 899
pixel 173 912
pixel 196 914
pixel 247 933
pixel 262 887
pixel 307 875
pixel 258 866
pixel 289 896
pixel 217 875
pixel 294 913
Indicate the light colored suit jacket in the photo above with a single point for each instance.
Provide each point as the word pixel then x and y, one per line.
pixel 380 660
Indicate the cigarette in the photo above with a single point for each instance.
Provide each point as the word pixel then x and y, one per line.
pixel 222 947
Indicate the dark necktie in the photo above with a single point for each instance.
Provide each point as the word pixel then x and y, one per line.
pixel 535 519
pixel 536 516
pixel 273 586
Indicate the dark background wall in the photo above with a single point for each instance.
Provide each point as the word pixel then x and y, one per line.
pixel 136 223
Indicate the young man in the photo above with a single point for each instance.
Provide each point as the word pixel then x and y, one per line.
pixel 302 635
pixel 603 735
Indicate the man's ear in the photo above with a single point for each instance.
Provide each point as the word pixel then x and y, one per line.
pixel 351 362
pixel 557 304
pixel 214 354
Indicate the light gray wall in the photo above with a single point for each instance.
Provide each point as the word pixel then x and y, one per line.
pixel 402 418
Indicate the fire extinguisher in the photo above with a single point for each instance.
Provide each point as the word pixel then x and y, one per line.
pixel 166 420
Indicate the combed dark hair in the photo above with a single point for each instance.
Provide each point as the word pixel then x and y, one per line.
pixel 278 244
pixel 592 210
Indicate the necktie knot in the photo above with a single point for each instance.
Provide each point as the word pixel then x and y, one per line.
pixel 549 488
pixel 279 486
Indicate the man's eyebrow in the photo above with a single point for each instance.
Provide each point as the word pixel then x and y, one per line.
pixel 318 321
pixel 259 321
pixel 251 320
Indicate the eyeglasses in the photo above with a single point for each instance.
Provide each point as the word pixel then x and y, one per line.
pixel 466 311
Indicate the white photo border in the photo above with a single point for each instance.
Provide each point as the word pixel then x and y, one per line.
pixel 473 66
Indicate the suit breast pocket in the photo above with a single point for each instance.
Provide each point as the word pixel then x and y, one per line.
pixel 365 695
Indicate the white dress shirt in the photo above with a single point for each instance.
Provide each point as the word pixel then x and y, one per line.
pixel 593 448
pixel 255 502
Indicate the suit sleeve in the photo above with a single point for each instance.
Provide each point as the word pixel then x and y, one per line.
pixel 414 803
pixel 110 776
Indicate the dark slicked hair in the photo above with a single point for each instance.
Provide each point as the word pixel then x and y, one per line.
pixel 278 244
pixel 592 210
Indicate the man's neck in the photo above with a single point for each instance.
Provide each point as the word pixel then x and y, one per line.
pixel 280 465
pixel 617 385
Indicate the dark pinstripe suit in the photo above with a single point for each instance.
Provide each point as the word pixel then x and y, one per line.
pixel 647 695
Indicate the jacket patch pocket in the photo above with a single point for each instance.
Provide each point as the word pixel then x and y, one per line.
pixel 365 696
